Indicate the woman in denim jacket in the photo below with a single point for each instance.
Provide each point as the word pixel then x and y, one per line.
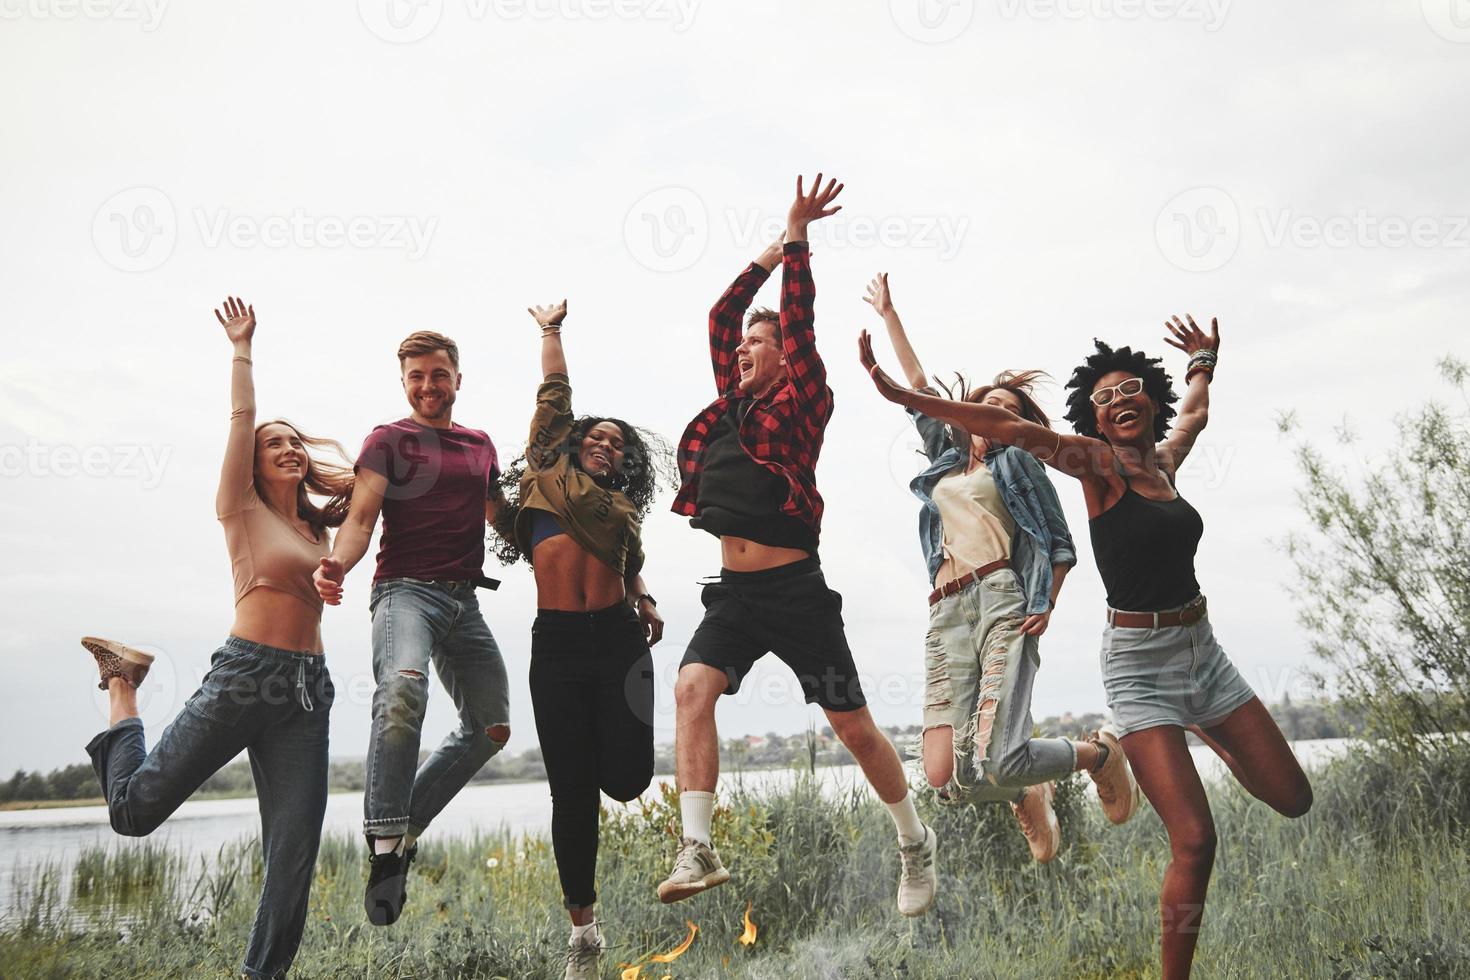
pixel 997 549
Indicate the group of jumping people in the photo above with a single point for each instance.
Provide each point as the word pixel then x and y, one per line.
pixel 991 531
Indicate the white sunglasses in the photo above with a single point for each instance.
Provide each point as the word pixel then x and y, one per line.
pixel 1126 389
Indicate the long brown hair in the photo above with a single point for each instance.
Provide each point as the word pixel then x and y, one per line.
pixel 325 477
pixel 1022 384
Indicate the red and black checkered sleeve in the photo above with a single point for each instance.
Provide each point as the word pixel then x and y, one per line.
pixel 804 365
pixel 725 331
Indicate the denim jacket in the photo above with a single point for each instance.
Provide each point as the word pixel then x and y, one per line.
pixel 1042 539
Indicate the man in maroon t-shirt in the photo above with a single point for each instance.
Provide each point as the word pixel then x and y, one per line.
pixel 436 484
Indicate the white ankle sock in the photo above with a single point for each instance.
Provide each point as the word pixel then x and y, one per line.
pixel 697 809
pixel 580 931
pixel 386 845
pixel 906 819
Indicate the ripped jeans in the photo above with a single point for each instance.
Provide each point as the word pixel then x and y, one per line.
pixel 979 671
pixel 416 623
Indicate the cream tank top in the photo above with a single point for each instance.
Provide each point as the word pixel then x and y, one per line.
pixel 977 526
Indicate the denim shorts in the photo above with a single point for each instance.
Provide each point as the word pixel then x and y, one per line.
pixel 1172 675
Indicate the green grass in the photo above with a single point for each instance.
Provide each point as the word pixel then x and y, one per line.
pixel 1373 883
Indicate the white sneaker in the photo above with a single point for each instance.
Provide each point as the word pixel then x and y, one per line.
pixel 919 879
pixel 584 957
pixel 697 868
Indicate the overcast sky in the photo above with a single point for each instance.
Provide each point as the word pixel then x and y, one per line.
pixel 1031 174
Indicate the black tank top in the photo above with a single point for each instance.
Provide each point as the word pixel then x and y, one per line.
pixel 740 497
pixel 1145 551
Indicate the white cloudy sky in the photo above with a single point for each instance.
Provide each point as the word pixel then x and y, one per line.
pixel 1031 174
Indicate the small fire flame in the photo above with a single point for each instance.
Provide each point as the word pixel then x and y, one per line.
pixel 747 938
pixel 678 950
pixel 634 971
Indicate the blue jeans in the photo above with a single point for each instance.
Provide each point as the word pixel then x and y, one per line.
pixel 416 623
pixel 274 704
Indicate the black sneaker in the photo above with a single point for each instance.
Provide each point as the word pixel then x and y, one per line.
pixel 387 886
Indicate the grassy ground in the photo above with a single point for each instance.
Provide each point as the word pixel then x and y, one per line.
pixel 1373 883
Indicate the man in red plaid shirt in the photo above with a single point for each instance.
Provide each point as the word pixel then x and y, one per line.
pixel 748 466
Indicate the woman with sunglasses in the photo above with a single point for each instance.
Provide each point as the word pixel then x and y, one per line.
pixel 1163 670
pixel 997 549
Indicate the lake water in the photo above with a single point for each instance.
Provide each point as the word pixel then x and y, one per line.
pixel 32 837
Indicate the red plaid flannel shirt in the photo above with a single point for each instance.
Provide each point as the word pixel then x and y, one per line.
pixel 783 430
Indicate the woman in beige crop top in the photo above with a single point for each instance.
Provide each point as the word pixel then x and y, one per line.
pixel 275 534
pixel 268 691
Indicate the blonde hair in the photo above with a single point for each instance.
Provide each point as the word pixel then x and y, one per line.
pixel 325 477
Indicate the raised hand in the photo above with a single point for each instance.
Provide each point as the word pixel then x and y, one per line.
pixel 811 207
pixel 1190 338
pixel 878 297
pixel 549 316
pixel 328 581
pixel 887 387
pixel 238 320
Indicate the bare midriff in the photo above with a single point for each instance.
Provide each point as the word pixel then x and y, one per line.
pixel 278 619
pixel 745 555
pixel 570 579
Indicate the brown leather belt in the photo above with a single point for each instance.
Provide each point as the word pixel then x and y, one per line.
pixel 1187 616
pixel 951 587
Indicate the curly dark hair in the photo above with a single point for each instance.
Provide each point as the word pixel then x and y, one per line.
pixel 648 465
pixel 1156 384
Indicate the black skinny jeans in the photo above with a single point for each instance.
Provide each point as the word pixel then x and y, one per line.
pixel 592 692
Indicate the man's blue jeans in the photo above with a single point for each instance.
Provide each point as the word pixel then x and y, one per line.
pixel 416 623
pixel 274 704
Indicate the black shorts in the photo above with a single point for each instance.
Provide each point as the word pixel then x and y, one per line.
pixel 788 611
